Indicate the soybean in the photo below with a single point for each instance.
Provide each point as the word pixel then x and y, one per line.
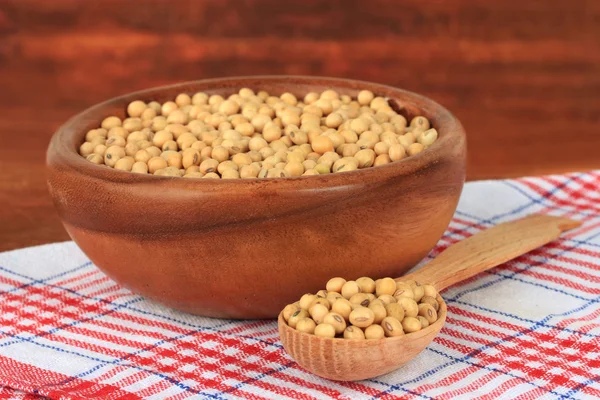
pixel 248 128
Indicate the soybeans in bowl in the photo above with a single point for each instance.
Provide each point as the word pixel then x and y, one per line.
pixel 253 134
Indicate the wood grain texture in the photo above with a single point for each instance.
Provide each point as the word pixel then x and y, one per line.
pixel 353 360
pixel 216 247
pixel 522 76
pixel 349 360
pixel 489 248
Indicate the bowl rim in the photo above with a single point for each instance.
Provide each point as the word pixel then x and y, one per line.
pixel 63 148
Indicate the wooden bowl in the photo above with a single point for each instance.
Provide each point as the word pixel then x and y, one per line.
pixel 246 248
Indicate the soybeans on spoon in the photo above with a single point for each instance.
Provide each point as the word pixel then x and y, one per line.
pixel 351 360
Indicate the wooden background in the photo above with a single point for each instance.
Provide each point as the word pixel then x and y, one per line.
pixel 523 76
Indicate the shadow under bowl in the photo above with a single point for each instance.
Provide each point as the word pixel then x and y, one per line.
pixel 246 248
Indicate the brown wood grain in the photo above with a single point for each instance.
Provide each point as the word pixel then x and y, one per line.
pixel 522 76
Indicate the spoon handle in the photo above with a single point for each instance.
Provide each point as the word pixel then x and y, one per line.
pixel 490 248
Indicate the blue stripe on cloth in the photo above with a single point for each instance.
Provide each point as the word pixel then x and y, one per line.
pixel 489 221
pixel 545 200
pixel 583 243
pixel 61 350
pixel 54 330
pixel 512 277
pixel 508 315
pixel 532 201
pixel 535 326
pixel 64 326
pixel 541 200
pixel 140 311
pixel 465 359
pixel 79 321
pixel 120 360
pixel 34 281
pixel 512 274
pixel 579 387
pixel 128 307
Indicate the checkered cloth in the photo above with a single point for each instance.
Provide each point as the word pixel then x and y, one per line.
pixel 527 329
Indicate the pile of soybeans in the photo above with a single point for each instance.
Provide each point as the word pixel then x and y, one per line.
pixel 257 135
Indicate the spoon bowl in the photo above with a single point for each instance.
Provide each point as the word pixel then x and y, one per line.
pixel 349 360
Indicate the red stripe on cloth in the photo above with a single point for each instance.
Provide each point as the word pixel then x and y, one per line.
pixel 541 354
pixel 554 279
pixel 532 394
pixel 461 348
pixel 557 244
pixel 32 378
pixel 154 363
pixel 456 377
pixel 41 325
pixel 494 394
pixel 541 337
pixel 576 271
pixel 593 316
pixel 119 292
pixel 63 290
pixel 78 277
pixel 99 307
pixel 525 344
pixel 12 282
pixel 368 390
pixel 579 194
pixel 516 364
pixel 247 327
pixel 96 282
pixel 393 396
pixel 154 389
pixel 261 366
pixel 497 393
pixel 14 394
pixel 588 204
pixel 587 227
pixel 132 378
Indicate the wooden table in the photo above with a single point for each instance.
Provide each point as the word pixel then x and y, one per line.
pixel 522 76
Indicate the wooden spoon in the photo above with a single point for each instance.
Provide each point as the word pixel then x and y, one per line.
pixel 350 360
